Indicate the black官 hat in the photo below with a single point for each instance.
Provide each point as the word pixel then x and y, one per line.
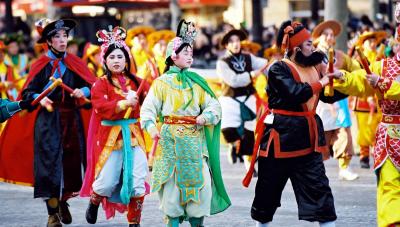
pixel 55 26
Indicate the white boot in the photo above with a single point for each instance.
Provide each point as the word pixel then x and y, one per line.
pixel 327 224
pixel 347 174
pixel 259 224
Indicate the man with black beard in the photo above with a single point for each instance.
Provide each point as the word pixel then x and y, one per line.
pixel 292 135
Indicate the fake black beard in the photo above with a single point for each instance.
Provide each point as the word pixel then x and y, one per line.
pixel 314 59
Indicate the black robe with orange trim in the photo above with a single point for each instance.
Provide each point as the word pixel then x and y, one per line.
pixel 46 149
pixel 291 135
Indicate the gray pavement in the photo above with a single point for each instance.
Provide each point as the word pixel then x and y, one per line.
pixel 355 203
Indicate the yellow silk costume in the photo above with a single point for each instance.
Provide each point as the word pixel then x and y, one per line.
pixel 388 192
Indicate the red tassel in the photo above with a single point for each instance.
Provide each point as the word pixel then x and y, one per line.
pixel 258 134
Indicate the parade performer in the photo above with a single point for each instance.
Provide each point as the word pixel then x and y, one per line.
pixel 115 140
pixel 290 138
pixel 393 47
pixel 158 44
pixel 53 140
pixel 237 71
pixel 369 42
pixel 9 77
pixel 73 45
pixel 186 169
pixel 336 117
pixel 91 55
pixel 19 61
pixel 9 108
pixel 273 53
pixel 383 83
pixel 249 47
pixel 8 80
pixel 142 57
pixel 367 120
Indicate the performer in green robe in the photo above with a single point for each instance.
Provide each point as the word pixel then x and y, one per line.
pixel 9 108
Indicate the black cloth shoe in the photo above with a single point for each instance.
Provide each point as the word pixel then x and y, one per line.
pixel 54 221
pixel 196 222
pixel 134 225
pixel 65 215
pixel 255 174
pixel 91 213
pixel 232 158
pixel 364 163
pixel 240 157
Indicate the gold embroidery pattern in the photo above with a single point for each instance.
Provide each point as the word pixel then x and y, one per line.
pixel 384 84
pixel 112 144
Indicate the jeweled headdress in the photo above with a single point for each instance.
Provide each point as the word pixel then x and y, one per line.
pixel 186 33
pixel 115 36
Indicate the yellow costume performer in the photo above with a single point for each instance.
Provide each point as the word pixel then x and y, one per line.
pixel 91 55
pixel 19 62
pixel 158 44
pixel 144 60
pixel 8 78
pixel 260 83
pixel 386 151
pixel 336 117
pixel 365 108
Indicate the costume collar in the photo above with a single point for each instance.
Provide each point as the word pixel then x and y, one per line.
pixel 53 55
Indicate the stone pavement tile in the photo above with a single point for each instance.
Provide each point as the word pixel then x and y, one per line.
pixel 355 203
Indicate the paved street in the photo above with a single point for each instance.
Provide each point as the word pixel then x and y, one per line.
pixel 355 203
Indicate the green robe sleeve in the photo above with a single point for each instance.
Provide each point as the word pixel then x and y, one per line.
pixel 7 109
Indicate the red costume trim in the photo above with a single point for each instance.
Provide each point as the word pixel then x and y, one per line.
pixel 16 141
pixel 312 125
pixel 274 135
pixel 383 84
pixel 98 135
pixel 391 119
pixel 258 134
pixel 190 120
pixel 316 87
pixel 135 208
pixel 299 38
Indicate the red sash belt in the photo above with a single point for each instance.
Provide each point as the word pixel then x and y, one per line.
pixel 391 119
pixel 274 135
pixel 309 114
pixel 172 120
